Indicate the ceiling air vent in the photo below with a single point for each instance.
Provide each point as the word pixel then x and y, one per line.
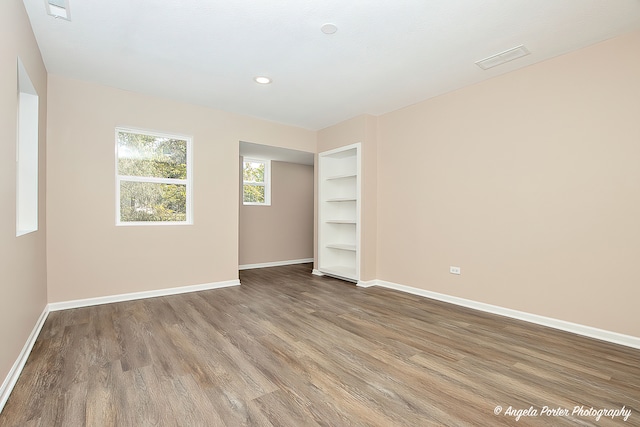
pixel 58 9
pixel 502 57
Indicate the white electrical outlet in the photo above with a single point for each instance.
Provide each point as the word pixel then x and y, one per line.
pixel 454 270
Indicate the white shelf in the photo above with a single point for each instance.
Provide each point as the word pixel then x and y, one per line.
pixel 342 199
pixel 342 247
pixel 339 189
pixel 342 176
pixel 346 272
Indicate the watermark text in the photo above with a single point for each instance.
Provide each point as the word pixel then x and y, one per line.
pixel 580 411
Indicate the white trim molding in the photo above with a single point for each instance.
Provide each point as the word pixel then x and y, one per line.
pixel 317 272
pixel 64 305
pixel 366 283
pixel 275 263
pixel 587 331
pixel 16 369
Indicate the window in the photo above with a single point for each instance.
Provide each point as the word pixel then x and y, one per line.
pixel 153 178
pixel 256 182
pixel 26 155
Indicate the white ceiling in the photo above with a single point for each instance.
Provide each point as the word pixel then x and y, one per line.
pixel 386 54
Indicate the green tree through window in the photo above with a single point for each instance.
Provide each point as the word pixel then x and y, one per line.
pixel 153 179
pixel 255 176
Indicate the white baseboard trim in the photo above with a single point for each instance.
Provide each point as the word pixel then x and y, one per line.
pixel 275 263
pixel 11 379
pixel 87 302
pixel 366 283
pixel 316 272
pixel 588 331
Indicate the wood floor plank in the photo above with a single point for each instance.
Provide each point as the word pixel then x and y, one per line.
pixel 287 348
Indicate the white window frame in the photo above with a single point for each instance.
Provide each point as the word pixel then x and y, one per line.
pixel 188 181
pixel 26 154
pixel 266 184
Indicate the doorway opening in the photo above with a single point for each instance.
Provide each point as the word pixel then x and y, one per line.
pixel 276 220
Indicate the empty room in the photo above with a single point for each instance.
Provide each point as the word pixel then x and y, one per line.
pixel 320 213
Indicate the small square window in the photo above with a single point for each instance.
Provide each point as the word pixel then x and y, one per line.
pixel 256 182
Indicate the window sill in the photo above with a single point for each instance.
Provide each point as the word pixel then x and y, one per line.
pixel 149 223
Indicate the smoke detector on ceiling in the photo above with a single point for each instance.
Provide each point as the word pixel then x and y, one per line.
pixel 503 57
pixel 329 28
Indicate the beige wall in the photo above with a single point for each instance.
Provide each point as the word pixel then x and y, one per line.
pixel 23 287
pixel 284 230
pixel 88 255
pixel 362 129
pixel 530 182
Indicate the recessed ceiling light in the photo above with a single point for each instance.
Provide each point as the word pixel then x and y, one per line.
pixel 263 80
pixel 58 9
pixel 502 57
pixel 328 28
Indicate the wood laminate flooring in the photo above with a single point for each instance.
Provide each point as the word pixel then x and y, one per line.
pixel 290 349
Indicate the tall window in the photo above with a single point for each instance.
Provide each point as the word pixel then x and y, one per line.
pixel 256 182
pixel 153 178
pixel 26 155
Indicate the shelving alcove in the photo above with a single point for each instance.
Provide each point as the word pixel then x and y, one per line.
pixel 339 187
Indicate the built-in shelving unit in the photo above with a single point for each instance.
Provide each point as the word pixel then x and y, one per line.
pixel 339 212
